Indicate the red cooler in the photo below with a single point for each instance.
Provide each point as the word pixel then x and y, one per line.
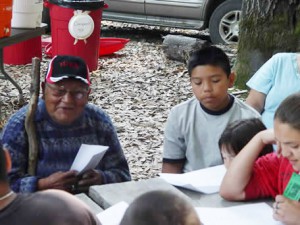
pixel 5 15
pixel 23 52
pixel 75 28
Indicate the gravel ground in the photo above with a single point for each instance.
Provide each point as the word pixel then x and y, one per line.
pixel 137 86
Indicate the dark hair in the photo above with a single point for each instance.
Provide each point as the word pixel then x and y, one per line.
pixel 238 133
pixel 158 208
pixel 209 55
pixel 289 111
pixel 3 172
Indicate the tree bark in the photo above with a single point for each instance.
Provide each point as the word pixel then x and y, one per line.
pixel 267 27
pixel 29 120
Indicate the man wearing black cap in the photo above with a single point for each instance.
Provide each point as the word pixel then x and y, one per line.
pixel 64 120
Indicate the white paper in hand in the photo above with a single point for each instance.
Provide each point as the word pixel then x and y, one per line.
pixel 88 157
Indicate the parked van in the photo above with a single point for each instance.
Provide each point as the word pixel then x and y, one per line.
pixel 221 17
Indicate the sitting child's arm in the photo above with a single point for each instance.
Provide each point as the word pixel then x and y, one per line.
pixel 172 167
pixel 240 170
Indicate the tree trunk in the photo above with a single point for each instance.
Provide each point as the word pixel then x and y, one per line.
pixel 267 27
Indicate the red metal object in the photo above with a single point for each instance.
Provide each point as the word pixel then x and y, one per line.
pixel 108 45
pixel 23 52
pixel 46 41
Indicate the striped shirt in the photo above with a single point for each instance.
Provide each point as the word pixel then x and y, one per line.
pixel 59 144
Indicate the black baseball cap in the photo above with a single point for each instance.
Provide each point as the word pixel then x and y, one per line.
pixel 66 66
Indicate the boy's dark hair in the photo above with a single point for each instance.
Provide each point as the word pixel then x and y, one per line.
pixel 3 172
pixel 209 55
pixel 289 111
pixel 238 133
pixel 159 208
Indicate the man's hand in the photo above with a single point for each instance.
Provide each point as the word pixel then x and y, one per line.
pixel 59 180
pixel 90 177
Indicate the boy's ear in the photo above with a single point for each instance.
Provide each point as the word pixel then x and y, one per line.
pixel 8 160
pixel 231 79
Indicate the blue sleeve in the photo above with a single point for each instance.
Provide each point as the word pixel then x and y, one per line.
pixel 14 139
pixel 263 79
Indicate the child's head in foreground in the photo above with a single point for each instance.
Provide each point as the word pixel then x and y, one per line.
pixel 211 76
pixel 160 208
pixel 287 129
pixel 236 135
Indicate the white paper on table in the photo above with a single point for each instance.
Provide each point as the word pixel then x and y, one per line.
pixel 206 180
pixel 113 215
pixel 88 157
pixel 249 214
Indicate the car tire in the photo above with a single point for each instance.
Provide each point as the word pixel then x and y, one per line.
pixel 46 18
pixel 224 22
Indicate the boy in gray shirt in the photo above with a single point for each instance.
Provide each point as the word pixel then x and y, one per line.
pixel 194 127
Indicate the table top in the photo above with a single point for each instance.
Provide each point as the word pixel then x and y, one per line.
pixel 87 200
pixel 215 200
pixel 110 194
pixel 22 34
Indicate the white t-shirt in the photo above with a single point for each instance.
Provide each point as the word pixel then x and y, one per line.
pixel 192 133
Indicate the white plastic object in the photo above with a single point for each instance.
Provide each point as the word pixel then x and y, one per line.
pixel 27 13
pixel 81 25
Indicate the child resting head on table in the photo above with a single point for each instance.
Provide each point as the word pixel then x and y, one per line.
pixel 236 135
pixel 274 175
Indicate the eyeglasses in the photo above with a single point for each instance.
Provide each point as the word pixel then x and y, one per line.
pixel 60 91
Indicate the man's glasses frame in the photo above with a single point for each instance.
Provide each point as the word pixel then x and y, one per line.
pixel 60 91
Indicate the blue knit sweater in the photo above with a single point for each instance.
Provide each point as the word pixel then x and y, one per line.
pixel 58 146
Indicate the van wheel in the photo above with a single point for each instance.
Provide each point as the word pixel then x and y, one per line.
pixel 46 18
pixel 224 22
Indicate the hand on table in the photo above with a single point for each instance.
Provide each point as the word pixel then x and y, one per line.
pixel 59 180
pixel 286 210
pixel 90 177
